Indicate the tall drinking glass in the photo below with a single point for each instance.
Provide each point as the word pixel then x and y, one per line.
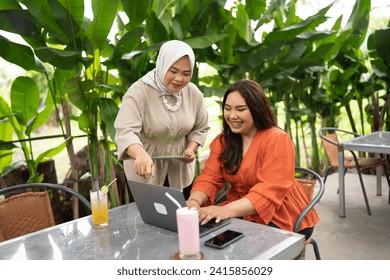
pixel 99 205
pixel 188 232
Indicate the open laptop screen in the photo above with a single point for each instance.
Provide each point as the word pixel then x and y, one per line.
pixel 157 209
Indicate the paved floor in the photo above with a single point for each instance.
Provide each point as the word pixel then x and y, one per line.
pixel 358 236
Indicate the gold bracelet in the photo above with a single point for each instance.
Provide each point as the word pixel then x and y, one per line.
pixel 194 200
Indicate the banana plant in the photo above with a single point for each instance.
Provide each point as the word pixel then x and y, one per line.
pixel 78 59
pixel 379 54
pixel 307 70
pixel 288 64
pixel 26 113
pixel 68 47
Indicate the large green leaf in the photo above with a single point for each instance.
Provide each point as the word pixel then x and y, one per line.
pixel 205 41
pixel 43 14
pixel 6 132
pixel 108 111
pixel 51 152
pixel 64 17
pixel 5 109
pixel 180 24
pixel 337 44
pixel 75 12
pixel 76 93
pixel 9 5
pixel 256 56
pixel 290 32
pixel 314 36
pixel 63 59
pixel 378 64
pixel 85 123
pixel 358 22
pixel 269 13
pixel 6 113
pixel 255 8
pixel 227 44
pixel 155 30
pixel 322 52
pixel 137 11
pixel 24 99
pixel 104 13
pixel 242 23
pixel 58 82
pixel 305 64
pixel 382 39
pixel 128 43
pixel 291 15
pixel 20 55
pixel 22 23
pixel 44 112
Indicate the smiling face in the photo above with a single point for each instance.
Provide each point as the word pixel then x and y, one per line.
pixel 238 116
pixel 178 75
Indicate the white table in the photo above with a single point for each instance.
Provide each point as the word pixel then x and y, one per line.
pixel 377 142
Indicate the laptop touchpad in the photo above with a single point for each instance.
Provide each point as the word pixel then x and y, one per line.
pixel 160 208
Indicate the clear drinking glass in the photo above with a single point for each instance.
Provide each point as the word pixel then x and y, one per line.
pixel 99 205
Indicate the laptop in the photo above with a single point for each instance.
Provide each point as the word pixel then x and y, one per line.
pixel 157 209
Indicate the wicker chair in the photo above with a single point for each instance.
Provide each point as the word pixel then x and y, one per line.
pixel 308 180
pixel 330 142
pixel 29 211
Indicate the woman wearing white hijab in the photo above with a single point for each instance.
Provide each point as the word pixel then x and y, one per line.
pixel 163 113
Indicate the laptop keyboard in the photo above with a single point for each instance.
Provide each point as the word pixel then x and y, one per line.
pixel 211 226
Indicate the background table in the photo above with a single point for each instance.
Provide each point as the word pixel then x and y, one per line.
pixel 377 142
pixel 128 238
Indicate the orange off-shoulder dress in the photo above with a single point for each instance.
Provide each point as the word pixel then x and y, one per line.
pixel 265 178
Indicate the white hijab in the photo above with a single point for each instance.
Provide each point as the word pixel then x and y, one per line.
pixel 170 52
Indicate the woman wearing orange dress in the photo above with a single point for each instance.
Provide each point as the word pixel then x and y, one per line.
pixel 257 159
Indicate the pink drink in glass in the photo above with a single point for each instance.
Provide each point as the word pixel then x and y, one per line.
pixel 188 231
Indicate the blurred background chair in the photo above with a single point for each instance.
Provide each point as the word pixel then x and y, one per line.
pixel 29 211
pixel 330 142
pixel 308 180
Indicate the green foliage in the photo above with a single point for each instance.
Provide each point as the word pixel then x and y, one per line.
pixel 309 73
pixel 26 113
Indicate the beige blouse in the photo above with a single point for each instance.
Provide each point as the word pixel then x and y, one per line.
pixel 142 119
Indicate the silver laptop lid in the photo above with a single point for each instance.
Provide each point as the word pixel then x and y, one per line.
pixel 154 206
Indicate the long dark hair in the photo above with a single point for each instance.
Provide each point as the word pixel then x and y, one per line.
pixel 263 118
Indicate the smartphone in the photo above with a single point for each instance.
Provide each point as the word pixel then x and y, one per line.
pixel 224 239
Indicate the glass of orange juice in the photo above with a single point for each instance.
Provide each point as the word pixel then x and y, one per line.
pixel 99 205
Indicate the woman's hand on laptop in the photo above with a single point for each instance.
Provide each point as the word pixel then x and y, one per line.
pixel 192 203
pixel 237 208
pixel 196 199
pixel 219 213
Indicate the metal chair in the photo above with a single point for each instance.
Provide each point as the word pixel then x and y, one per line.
pixel 308 180
pixel 27 212
pixel 330 142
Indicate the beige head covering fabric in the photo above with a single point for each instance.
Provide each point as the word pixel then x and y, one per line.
pixel 170 52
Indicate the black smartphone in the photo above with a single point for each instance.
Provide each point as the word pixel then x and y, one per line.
pixel 224 239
